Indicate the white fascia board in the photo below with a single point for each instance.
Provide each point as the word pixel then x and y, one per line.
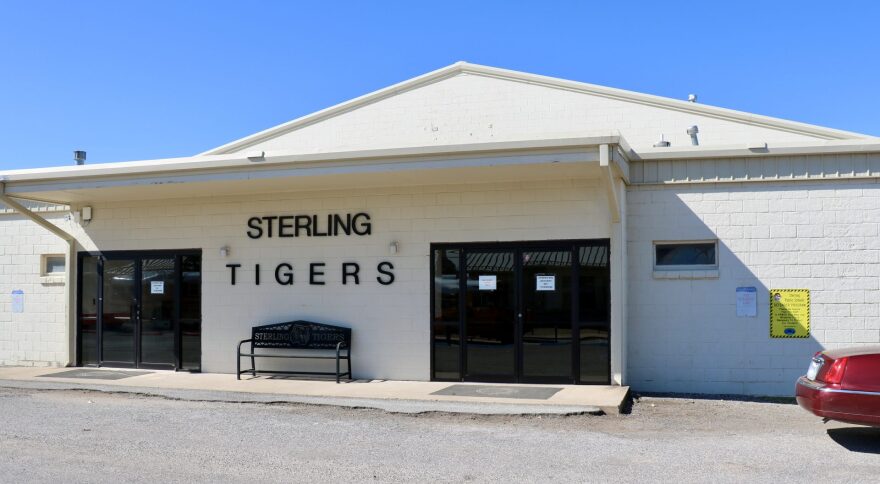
pixel 307 170
pixel 208 167
pixel 782 149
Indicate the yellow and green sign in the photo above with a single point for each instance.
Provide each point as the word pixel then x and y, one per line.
pixel 789 313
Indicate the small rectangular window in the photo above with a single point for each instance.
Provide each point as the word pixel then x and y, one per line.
pixel 53 265
pixel 685 255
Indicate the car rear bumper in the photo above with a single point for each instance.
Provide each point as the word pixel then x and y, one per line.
pixel 849 406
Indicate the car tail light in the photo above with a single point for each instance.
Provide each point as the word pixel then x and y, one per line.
pixel 834 374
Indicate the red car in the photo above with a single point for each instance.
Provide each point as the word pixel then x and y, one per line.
pixel 843 385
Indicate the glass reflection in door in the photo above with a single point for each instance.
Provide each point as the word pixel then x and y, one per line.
pixel 547 313
pixel 445 317
pixel 490 315
pixel 594 314
pixel 119 314
pixel 157 311
pixel 88 314
pixel 191 312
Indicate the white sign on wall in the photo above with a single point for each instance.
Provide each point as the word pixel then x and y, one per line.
pixel 488 283
pixel 18 301
pixel 545 282
pixel 157 287
pixel 746 302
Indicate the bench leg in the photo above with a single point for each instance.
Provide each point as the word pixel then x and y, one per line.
pixel 253 362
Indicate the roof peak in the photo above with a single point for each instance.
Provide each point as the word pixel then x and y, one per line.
pixel 547 81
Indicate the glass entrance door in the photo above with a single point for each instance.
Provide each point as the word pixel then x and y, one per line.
pixel 157 289
pixel 531 312
pixel 140 309
pixel 119 314
pixel 490 316
pixel 546 324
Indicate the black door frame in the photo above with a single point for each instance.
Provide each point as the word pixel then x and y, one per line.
pixel 137 256
pixel 517 248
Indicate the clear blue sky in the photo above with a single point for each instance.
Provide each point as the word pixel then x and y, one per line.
pixel 128 80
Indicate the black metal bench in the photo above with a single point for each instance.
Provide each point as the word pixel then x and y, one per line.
pixel 298 335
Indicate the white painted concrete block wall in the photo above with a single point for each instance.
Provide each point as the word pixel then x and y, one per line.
pixel 391 323
pixel 36 336
pixel 471 108
pixel 684 335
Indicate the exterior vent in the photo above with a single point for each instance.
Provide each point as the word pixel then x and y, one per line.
pixel 662 143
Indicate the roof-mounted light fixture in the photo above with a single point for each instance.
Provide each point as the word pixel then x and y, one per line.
pixel 79 157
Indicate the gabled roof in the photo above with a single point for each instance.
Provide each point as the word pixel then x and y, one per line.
pixel 551 82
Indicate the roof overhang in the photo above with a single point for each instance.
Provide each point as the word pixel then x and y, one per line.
pixel 266 172
pixel 817 148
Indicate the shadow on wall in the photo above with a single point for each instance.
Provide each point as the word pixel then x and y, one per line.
pixel 684 334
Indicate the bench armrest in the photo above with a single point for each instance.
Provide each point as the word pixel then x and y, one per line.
pixel 243 342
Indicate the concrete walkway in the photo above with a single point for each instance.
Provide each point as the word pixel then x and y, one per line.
pixel 391 396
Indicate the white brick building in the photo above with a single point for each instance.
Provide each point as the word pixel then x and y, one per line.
pixel 504 227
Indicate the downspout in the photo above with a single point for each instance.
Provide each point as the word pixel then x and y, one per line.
pixel 70 262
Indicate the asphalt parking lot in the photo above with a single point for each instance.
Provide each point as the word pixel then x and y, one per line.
pixel 87 436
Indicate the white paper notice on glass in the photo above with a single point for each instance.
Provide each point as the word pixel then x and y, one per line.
pixel 157 287
pixel 488 283
pixel 18 301
pixel 545 283
pixel 746 302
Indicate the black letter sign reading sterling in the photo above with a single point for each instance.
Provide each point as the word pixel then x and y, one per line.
pixel 332 225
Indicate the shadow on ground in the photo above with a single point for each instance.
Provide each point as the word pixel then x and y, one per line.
pixel 705 396
pixel 857 439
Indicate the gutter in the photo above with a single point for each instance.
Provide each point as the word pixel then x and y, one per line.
pixel 855 147
pixel 70 263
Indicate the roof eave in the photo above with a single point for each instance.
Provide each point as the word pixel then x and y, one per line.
pixel 240 161
pixel 862 146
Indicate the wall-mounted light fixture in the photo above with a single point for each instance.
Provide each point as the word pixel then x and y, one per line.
pixel 224 251
pixel 393 247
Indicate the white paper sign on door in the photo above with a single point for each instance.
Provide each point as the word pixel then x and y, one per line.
pixel 545 283
pixel 488 283
pixel 157 287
